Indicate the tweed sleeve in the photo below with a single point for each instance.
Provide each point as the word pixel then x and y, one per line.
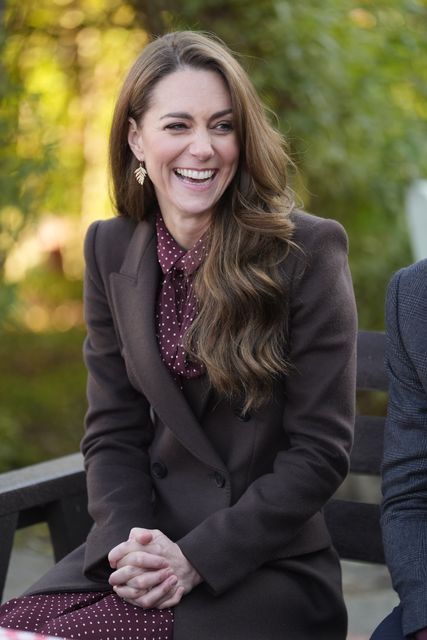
pixel 404 507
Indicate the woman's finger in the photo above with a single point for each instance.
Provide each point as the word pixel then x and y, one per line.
pixel 139 578
pixel 149 579
pixel 133 577
pixel 138 598
pixel 142 536
pixel 128 593
pixel 143 560
pixel 158 594
pixel 121 550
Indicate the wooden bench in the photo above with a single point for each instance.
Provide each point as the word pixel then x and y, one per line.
pixel 55 491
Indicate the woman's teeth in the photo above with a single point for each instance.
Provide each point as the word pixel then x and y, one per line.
pixel 192 174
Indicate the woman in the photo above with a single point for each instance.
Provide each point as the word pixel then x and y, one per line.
pixel 220 350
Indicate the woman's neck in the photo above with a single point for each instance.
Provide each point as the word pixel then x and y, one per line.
pixel 186 230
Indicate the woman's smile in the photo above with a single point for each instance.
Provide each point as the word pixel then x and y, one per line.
pixel 196 178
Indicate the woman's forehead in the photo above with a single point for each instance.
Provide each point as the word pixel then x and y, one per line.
pixel 190 89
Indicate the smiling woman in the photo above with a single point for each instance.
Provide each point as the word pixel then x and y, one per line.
pixel 220 352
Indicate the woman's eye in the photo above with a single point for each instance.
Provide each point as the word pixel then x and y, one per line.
pixel 176 126
pixel 224 126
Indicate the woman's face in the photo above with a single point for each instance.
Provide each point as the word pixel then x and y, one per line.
pixel 187 141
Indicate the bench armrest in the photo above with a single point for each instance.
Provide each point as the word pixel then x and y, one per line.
pixel 52 492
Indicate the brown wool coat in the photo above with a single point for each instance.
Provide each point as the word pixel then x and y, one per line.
pixel 242 497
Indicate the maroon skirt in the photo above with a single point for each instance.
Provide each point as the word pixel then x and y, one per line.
pixel 86 616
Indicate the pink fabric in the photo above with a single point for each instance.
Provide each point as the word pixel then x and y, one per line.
pixel 421 635
pixel 94 616
pixel 11 634
pixel 176 304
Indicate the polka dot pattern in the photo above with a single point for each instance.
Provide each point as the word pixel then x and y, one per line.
pixel 177 304
pixel 86 616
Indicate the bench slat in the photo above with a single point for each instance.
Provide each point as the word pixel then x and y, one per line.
pixel 371 373
pixel 42 483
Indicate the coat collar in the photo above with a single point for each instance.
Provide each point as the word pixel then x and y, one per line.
pixel 134 291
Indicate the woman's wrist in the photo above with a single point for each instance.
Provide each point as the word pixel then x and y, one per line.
pixel 192 576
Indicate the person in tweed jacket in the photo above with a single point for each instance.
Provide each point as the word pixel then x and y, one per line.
pixel 404 484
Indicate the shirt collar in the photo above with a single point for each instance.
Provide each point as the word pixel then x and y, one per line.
pixel 171 255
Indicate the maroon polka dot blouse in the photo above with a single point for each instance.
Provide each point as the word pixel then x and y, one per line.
pixel 176 303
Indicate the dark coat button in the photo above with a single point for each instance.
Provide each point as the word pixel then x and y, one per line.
pixel 159 470
pixel 219 479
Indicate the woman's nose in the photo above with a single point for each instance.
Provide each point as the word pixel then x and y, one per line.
pixel 201 145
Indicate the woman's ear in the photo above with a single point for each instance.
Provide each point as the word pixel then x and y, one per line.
pixel 134 140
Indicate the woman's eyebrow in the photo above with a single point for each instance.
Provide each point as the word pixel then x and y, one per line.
pixel 187 116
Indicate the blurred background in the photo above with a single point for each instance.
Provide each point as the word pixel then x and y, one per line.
pixel 346 80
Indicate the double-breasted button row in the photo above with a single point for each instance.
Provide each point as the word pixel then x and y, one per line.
pixel 159 470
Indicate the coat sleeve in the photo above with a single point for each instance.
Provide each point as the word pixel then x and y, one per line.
pixel 318 418
pixel 404 507
pixel 118 427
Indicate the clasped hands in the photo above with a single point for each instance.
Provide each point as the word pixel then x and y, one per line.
pixel 150 571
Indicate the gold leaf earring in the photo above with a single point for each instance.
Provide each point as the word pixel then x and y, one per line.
pixel 140 174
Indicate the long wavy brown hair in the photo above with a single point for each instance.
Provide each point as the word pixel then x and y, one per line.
pixel 240 332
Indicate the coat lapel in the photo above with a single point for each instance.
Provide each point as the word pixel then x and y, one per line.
pixel 197 392
pixel 134 292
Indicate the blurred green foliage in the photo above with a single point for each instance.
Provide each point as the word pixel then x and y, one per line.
pixel 42 396
pixel 22 174
pixel 346 80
